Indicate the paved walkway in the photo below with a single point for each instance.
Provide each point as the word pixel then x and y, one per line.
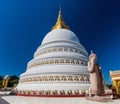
pixel 39 100
pixel 4 99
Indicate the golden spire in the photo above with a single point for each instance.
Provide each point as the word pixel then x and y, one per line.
pixel 60 22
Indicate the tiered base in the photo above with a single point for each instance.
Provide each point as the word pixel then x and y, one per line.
pixel 52 93
pixel 83 95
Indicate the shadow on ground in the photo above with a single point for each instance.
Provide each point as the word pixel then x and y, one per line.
pixel 2 101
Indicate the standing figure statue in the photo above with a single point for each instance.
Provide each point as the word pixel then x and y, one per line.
pixel 96 79
pixel 5 81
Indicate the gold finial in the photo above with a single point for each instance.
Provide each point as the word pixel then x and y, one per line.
pixel 60 22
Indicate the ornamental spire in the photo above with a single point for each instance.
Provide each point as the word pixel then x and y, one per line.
pixel 60 22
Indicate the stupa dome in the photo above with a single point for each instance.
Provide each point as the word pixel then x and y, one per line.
pixel 59 65
pixel 60 35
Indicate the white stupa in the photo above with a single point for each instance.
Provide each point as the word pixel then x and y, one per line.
pixel 59 66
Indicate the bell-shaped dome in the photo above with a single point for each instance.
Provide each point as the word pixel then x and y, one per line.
pixel 60 35
pixel 59 64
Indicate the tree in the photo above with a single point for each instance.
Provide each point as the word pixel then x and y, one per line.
pixel 1 77
pixel 13 77
pixel 1 80
pixel 13 81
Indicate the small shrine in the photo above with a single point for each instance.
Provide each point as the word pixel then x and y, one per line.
pixel 115 76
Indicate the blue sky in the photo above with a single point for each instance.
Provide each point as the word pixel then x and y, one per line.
pixel 24 23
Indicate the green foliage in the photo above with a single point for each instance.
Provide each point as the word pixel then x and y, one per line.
pixel 13 77
pixel 12 81
pixel 1 79
pixel 0 83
